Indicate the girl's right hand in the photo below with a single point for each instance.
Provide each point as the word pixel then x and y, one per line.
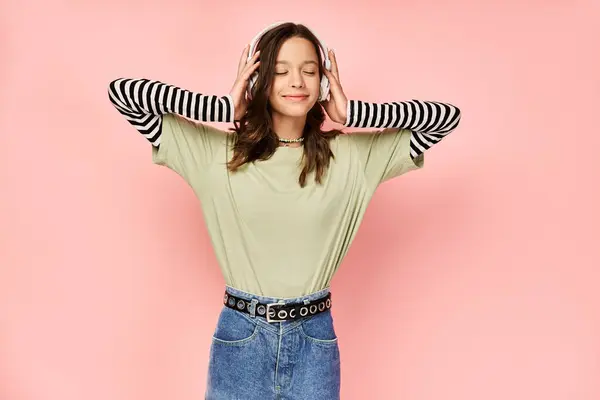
pixel 238 91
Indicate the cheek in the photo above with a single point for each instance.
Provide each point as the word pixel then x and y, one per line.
pixel 315 85
pixel 276 88
pixel 273 93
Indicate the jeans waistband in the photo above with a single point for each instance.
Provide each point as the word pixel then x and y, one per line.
pixel 283 300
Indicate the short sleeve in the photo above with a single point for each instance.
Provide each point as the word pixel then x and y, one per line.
pixel 187 147
pixel 385 154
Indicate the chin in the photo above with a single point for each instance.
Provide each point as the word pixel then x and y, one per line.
pixel 295 113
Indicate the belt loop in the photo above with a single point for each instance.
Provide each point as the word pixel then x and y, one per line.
pixel 252 307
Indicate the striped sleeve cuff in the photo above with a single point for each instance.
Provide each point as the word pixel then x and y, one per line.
pixel 229 104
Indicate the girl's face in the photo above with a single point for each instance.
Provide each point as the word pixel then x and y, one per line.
pixel 296 73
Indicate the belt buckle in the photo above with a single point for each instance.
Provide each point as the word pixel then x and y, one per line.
pixel 268 316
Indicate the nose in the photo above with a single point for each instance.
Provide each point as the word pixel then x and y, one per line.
pixel 296 80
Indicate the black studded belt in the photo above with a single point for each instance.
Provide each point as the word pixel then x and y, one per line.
pixel 278 312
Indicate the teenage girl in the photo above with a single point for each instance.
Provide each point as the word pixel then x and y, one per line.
pixel 282 199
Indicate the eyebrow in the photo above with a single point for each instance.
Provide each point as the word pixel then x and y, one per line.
pixel 305 62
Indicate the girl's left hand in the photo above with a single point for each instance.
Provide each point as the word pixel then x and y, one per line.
pixel 337 104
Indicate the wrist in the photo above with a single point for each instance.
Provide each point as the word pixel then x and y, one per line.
pixel 351 120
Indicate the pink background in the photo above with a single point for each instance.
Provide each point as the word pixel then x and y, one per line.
pixel 475 278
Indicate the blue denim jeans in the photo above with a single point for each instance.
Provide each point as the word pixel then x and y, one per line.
pixel 252 359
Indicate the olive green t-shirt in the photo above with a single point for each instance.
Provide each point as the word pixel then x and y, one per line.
pixel 270 236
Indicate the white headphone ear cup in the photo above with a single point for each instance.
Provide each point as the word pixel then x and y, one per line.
pixel 324 92
pixel 324 79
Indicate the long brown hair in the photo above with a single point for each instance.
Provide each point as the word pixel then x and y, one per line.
pixel 254 138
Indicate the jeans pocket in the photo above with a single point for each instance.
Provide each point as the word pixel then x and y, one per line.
pixel 319 329
pixel 234 328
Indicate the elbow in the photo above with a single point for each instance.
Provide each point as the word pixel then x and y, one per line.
pixel 455 118
pixel 115 92
pixel 113 86
pixel 112 89
pixel 452 121
pixel 458 115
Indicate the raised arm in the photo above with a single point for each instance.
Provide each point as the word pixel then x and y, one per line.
pixel 143 102
pixel 429 121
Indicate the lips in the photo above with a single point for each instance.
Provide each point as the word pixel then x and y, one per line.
pixel 296 97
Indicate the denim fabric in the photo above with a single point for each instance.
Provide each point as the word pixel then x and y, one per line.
pixel 252 359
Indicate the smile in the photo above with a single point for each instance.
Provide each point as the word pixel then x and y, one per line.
pixel 295 98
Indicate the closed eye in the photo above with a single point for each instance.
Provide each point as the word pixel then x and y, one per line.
pixel 283 73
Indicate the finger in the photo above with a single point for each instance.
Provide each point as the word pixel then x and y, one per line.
pixel 245 77
pixel 332 78
pixel 243 58
pixel 252 62
pixel 335 89
pixel 334 65
pixel 250 71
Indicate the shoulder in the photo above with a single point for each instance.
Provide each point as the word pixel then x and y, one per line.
pixel 180 122
pixel 191 139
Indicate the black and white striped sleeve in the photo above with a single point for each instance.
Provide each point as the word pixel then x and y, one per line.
pixel 429 121
pixel 143 103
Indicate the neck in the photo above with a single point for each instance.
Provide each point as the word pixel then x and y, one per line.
pixel 288 127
